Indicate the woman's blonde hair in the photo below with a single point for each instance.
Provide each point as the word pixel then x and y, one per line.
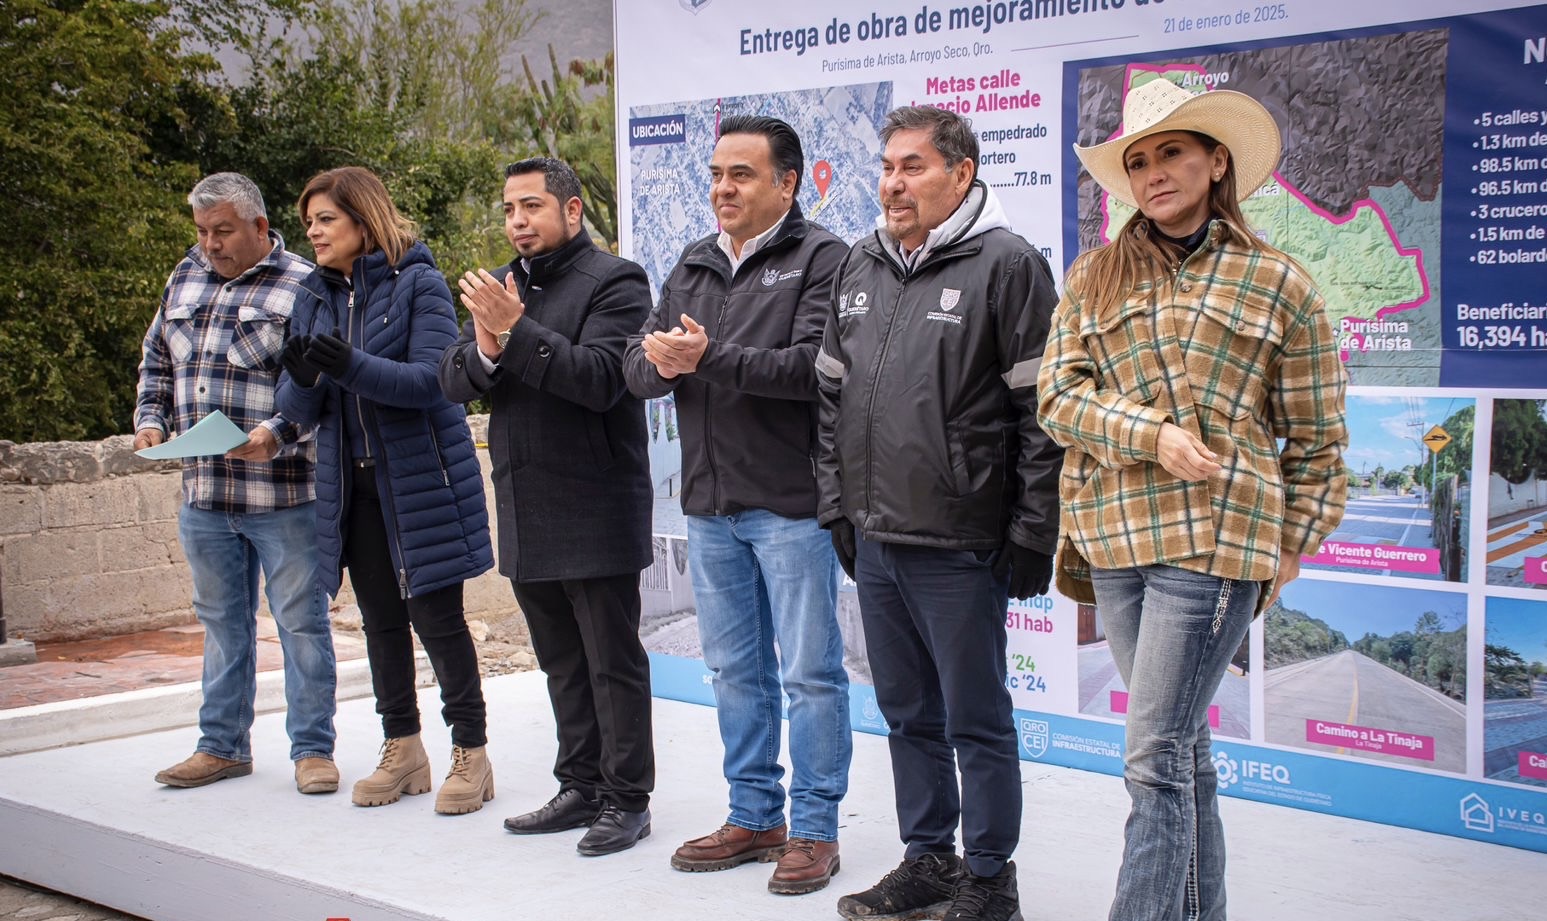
pixel 361 195
pixel 1138 253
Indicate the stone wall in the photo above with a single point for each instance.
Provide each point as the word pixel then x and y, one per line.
pixel 88 544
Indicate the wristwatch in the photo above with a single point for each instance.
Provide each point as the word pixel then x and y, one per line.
pixel 500 339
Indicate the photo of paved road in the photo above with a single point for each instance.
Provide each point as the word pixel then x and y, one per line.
pixel 1511 540
pixel 1399 447
pixel 1511 727
pixel 1351 688
pixel 1517 494
pixel 1099 679
pixel 1388 520
pixel 1515 688
pixel 1372 656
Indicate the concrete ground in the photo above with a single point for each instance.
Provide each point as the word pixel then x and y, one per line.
pixel 101 676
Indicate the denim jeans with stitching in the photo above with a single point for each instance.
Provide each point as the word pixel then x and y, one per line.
pixel 226 552
pixel 1172 633
pixel 766 588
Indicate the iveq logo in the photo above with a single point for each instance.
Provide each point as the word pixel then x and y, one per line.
pixel 693 6
pixel 660 129
pixel 1232 771
pixel 1475 814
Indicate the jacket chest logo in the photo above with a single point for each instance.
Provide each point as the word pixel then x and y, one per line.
pixel 949 299
pixel 853 305
pixel 770 277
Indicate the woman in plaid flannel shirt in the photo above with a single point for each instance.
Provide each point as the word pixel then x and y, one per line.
pixel 1193 376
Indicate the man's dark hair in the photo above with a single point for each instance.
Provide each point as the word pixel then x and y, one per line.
pixel 950 133
pixel 559 178
pixel 783 142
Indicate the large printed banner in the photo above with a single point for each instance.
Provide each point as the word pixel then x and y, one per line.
pixel 1403 677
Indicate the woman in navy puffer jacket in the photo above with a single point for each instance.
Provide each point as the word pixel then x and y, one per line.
pixel 400 497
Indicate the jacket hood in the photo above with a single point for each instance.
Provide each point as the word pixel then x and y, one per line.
pixel 980 212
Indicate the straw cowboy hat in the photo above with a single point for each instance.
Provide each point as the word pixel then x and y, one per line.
pixel 1234 119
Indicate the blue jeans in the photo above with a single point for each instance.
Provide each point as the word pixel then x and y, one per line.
pixel 225 553
pixel 1172 633
pixel 761 579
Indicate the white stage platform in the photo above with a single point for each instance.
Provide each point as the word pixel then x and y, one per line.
pixel 88 820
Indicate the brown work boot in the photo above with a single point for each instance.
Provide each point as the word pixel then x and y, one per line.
pixel 202 768
pixel 470 783
pixel 805 866
pixel 404 768
pixel 730 846
pixel 316 775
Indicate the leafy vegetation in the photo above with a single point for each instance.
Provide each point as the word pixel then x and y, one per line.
pixel 115 109
pixel 1428 653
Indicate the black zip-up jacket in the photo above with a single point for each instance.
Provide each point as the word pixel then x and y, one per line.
pixel 569 445
pixel 747 416
pixel 928 388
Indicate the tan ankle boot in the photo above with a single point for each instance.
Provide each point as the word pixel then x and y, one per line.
pixel 470 783
pixel 404 768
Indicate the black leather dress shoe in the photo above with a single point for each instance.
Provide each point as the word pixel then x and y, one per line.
pixel 614 830
pixel 570 809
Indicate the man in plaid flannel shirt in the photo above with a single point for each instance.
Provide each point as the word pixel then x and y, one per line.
pixel 214 344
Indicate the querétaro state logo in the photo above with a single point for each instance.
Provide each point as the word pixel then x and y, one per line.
pixel 1034 736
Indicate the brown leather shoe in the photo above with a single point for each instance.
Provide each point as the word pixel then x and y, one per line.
pixel 805 866
pixel 730 846
pixel 202 768
pixel 316 775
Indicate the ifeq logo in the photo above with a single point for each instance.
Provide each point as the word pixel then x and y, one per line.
pixel 1034 736
pixel 1232 771
pixel 1476 815
pixel 693 6
pixel 1224 766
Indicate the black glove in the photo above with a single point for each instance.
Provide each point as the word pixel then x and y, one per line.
pixel 330 353
pixel 843 543
pixel 1030 572
pixel 293 358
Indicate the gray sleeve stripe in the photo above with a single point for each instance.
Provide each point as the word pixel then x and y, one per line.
pixel 1024 374
pixel 832 368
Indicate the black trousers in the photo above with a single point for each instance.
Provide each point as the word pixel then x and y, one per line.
pixel 585 633
pixel 436 616
pixel 935 634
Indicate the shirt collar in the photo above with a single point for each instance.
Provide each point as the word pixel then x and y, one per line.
pixel 751 246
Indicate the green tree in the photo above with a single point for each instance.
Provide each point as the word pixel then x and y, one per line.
pixel 1519 439
pixel 567 118
pixel 94 213
pixel 1455 459
pixel 408 90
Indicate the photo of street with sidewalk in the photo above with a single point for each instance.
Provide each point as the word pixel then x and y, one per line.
pixel 1517 495
pixel 1515 692
pixel 1367 671
pixel 1398 521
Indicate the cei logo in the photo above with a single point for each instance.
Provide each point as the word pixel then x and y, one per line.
pixel 1034 736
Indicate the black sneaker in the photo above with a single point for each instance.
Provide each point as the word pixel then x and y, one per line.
pixel 986 898
pixel 920 887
